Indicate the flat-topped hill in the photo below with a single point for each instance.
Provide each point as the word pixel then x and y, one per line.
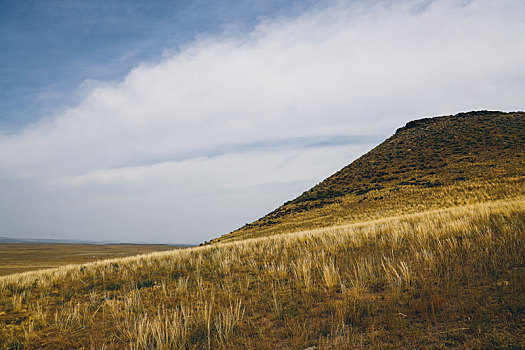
pixel 429 163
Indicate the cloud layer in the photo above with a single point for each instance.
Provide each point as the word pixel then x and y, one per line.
pixel 230 127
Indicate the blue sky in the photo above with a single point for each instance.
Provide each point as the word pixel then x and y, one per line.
pixel 49 48
pixel 176 122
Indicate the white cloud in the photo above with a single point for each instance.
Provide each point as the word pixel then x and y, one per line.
pixel 200 143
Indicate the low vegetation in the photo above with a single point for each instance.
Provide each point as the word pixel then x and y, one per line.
pixel 443 278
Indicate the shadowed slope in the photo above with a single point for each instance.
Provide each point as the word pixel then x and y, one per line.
pixel 427 164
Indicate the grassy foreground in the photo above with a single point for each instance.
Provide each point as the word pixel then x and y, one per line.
pixel 442 278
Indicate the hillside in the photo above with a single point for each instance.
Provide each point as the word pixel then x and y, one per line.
pixel 427 164
pixel 450 278
pixel 418 244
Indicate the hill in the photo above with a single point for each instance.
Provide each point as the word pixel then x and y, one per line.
pixel 428 164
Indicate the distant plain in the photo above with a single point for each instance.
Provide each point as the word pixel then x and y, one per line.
pixel 21 257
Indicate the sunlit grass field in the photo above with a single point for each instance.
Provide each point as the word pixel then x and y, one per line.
pixel 442 278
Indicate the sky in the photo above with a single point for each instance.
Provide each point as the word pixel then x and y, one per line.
pixel 179 121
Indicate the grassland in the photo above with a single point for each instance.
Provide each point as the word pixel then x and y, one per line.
pixel 420 243
pixel 442 278
pixel 21 257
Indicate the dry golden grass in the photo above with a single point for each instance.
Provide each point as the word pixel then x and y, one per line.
pixel 352 209
pixel 443 278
